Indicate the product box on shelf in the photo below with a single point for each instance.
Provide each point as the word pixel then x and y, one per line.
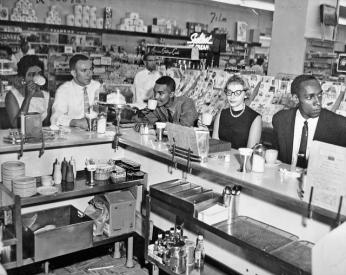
pixel 122 208
pixel 54 232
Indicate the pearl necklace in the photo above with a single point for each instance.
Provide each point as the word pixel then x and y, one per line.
pixel 238 115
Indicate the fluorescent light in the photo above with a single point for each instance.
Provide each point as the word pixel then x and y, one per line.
pixel 250 4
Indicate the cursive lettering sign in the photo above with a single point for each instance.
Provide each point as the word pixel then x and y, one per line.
pixel 165 51
pixel 200 39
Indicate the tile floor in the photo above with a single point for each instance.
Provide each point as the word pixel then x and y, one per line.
pixel 89 267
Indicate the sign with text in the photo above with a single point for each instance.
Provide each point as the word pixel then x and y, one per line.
pixel 327 173
pixel 201 40
pixel 341 65
pixel 170 51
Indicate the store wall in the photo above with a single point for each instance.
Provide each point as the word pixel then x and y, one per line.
pixel 182 11
pixel 313 27
pixel 288 43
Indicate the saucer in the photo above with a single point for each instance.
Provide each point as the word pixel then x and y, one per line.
pixel 276 163
pixel 47 190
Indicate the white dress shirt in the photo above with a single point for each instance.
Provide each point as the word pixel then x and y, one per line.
pixel 143 85
pixel 298 127
pixel 69 101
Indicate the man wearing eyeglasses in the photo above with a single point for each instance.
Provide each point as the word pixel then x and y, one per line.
pixel 74 98
pixel 144 81
pixel 295 129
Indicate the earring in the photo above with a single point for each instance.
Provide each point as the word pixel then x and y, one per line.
pixel 23 82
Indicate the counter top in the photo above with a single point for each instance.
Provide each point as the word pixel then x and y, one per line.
pixel 72 137
pixel 270 186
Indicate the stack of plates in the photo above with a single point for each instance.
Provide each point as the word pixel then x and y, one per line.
pixel 24 186
pixel 11 170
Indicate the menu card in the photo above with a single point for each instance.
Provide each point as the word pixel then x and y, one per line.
pixel 329 253
pixel 195 139
pixel 327 173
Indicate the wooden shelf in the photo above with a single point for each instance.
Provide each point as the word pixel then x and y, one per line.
pixel 43 26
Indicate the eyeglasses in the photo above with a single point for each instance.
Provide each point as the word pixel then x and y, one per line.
pixel 236 93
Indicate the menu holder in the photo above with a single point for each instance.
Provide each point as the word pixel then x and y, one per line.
pixel 189 142
pixel 326 173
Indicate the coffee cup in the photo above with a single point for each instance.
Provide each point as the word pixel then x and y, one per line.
pixel 46 180
pixel 207 119
pixel 271 156
pixel 152 103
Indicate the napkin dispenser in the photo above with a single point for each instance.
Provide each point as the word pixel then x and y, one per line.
pixel 32 126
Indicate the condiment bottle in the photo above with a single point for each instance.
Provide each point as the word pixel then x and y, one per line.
pixel 63 169
pixel 101 124
pixel 73 163
pixel 69 173
pixel 57 173
pixel 199 253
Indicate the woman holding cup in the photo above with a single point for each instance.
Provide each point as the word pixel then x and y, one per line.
pixel 238 124
pixel 26 95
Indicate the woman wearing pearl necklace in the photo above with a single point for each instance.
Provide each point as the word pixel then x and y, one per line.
pixel 238 124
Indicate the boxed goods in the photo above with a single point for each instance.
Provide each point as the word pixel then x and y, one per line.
pixel 121 206
pixel 118 174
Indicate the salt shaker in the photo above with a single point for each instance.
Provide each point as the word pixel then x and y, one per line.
pixel 258 158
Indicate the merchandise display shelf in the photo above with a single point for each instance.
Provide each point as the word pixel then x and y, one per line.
pixel 43 26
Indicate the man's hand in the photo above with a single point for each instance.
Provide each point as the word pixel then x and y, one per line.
pixel 81 123
pixel 137 127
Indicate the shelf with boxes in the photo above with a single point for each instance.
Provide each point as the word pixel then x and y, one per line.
pixel 319 57
pixel 44 26
pixel 38 235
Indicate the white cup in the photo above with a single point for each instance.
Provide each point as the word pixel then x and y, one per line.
pixel 207 119
pixel 39 80
pixel 152 103
pixel 271 156
pixel 160 125
pixel 46 180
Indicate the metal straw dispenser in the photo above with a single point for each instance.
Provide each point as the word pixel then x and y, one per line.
pixel 32 128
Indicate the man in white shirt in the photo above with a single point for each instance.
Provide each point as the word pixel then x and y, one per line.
pixel 74 98
pixel 296 128
pixel 144 81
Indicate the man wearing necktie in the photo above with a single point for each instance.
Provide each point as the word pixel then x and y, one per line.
pixel 296 128
pixel 180 110
pixel 74 98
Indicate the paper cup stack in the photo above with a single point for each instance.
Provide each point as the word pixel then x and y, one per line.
pixel 11 170
pixel 24 186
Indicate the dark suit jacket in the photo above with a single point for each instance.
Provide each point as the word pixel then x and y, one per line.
pixel 331 128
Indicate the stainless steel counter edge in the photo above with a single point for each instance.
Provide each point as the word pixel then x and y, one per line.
pixel 265 186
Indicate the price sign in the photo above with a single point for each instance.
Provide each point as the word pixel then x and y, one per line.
pixel 68 49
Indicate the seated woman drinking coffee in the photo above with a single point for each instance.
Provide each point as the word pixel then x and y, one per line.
pixel 26 95
pixel 238 124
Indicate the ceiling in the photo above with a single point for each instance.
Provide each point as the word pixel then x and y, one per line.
pixel 267 5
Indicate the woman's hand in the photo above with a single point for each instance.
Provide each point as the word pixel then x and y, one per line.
pixel 30 89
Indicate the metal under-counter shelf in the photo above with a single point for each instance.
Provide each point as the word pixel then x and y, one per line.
pixel 67 191
pixel 260 243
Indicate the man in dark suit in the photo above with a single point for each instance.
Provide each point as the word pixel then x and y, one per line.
pixel 320 124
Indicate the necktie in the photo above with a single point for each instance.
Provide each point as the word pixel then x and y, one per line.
pixel 301 159
pixel 170 118
pixel 86 100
